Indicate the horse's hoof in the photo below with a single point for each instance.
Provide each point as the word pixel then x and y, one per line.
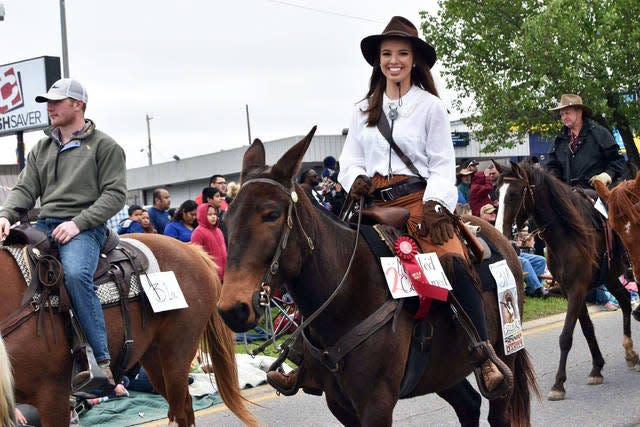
pixel 632 361
pixel 637 367
pixel 594 380
pixel 556 395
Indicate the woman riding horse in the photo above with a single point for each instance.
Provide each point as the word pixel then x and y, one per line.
pixel 402 91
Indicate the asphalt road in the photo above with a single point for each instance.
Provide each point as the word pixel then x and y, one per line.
pixel 609 404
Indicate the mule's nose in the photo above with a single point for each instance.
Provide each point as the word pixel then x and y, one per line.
pixel 236 317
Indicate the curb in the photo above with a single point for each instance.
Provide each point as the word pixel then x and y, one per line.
pixel 559 318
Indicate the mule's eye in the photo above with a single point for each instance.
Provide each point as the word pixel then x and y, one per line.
pixel 271 216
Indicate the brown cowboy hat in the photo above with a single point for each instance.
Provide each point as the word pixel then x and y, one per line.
pixel 403 28
pixel 465 171
pixel 571 100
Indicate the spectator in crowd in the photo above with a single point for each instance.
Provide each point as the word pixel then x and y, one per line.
pixel 533 265
pixel 208 235
pixel 114 222
pixel 583 151
pixel 183 223
pixel 329 167
pixel 471 165
pixel 219 182
pixel 145 222
pixel 132 224
pixel 232 190
pixel 482 187
pixel 464 184
pixel 334 195
pixel 309 181
pixel 79 174
pixel 214 197
pixel 159 212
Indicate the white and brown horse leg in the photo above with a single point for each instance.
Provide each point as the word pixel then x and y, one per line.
pixel 622 295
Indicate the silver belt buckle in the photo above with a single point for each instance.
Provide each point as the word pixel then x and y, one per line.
pixel 385 194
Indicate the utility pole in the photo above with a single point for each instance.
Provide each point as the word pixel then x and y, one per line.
pixel 248 124
pixel 148 118
pixel 63 31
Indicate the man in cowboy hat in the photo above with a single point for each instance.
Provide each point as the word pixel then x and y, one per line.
pixel 583 151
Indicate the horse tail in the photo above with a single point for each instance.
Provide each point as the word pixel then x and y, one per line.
pixel 7 403
pixel 524 382
pixel 219 344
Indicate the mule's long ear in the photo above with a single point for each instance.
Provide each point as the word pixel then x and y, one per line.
pixel 288 165
pixel 254 158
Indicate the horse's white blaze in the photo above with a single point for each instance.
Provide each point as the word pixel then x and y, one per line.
pixel 501 206
pixel 627 228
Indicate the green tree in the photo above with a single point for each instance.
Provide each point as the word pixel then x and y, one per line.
pixel 515 58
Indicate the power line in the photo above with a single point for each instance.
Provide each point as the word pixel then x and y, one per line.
pixel 326 12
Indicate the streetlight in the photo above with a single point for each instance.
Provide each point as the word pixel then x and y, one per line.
pixel 63 31
pixel 148 119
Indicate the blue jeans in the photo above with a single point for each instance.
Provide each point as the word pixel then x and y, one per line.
pixel 533 265
pixel 79 259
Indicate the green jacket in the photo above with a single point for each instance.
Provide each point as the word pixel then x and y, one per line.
pixel 87 183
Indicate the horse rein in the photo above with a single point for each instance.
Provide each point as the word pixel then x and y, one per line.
pixel 265 285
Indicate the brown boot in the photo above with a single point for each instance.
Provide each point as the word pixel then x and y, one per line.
pixel 286 384
pixel 491 376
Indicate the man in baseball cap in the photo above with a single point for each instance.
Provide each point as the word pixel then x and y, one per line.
pixel 78 172
pixel 63 89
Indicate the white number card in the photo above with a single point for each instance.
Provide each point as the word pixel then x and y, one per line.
pixel 163 291
pixel 399 283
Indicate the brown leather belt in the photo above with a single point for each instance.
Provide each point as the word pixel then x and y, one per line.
pixel 392 192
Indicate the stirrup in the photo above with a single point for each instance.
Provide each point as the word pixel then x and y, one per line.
pixel 507 383
pixel 84 360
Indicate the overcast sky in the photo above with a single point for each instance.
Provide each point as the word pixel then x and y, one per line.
pixel 193 65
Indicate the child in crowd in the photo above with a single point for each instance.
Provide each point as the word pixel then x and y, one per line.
pixel 208 235
pixel 132 224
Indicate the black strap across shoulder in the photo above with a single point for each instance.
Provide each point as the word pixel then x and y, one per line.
pixel 385 130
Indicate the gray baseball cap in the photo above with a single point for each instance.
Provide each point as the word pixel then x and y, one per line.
pixel 63 89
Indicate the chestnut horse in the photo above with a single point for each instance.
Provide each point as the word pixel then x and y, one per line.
pixel 310 258
pixel 624 217
pixel 165 345
pixel 576 248
pixel 7 404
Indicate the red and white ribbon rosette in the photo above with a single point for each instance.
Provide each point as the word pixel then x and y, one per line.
pixel 406 250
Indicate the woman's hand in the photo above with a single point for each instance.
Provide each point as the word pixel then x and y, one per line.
pixel 437 223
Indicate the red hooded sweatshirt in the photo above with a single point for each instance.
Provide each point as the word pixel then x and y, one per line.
pixel 210 238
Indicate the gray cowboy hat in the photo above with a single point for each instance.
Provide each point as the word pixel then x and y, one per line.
pixel 402 28
pixel 571 100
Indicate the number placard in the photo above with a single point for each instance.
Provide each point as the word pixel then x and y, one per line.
pixel 508 304
pixel 163 291
pixel 399 283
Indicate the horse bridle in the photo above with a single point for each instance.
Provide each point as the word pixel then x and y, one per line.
pixel 527 191
pixel 263 297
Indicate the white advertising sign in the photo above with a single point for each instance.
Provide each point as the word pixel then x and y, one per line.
pixel 399 283
pixel 508 304
pixel 20 83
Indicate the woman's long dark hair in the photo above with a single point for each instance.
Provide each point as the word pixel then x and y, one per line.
pixel 420 76
pixel 186 206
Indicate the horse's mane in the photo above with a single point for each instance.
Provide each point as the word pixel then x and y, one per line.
pixel 572 210
pixel 7 403
pixel 620 205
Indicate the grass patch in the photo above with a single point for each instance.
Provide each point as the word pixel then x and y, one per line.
pixel 535 308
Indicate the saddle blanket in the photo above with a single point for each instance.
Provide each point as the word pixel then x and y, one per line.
pixel 107 292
